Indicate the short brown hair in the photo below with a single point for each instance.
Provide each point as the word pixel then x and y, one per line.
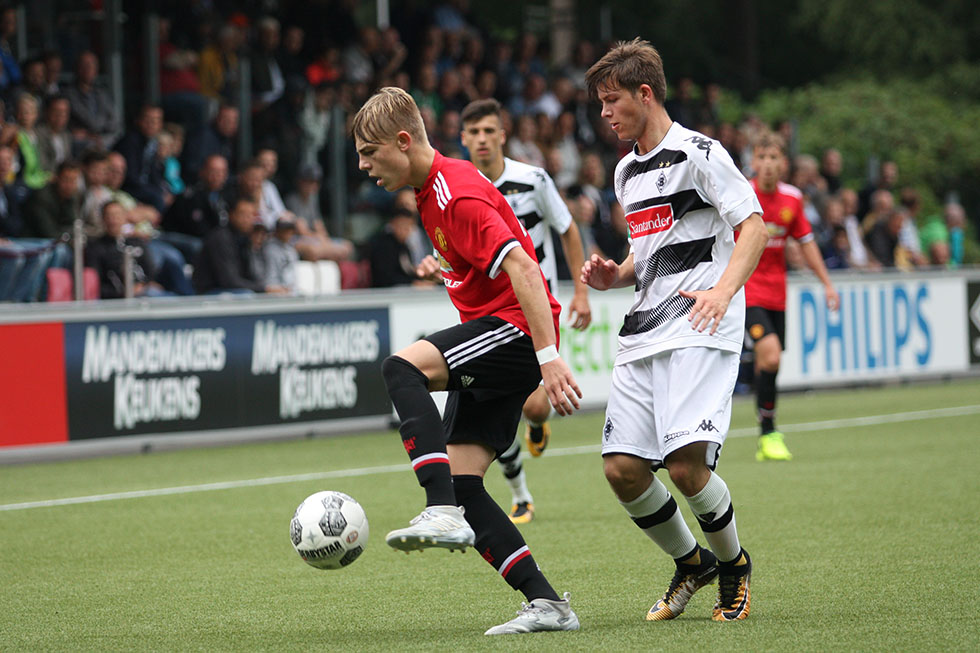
pixel 627 66
pixel 480 109
pixel 770 139
pixel 386 113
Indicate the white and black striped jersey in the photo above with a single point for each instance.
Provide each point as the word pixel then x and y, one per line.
pixel 536 203
pixel 682 200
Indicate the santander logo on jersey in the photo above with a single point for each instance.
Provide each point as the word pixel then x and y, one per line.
pixel 650 221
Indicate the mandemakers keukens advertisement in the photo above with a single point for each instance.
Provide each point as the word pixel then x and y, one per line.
pixel 219 372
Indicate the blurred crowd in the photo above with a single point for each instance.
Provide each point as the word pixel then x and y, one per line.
pixel 172 191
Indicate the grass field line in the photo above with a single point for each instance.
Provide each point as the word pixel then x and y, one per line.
pixel 870 420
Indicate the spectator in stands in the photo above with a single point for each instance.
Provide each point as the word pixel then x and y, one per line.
pixel 681 107
pixel 325 67
pixel 170 145
pixel 886 180
pixel 217 67
pixel 31 173
pixel 884 240
pixel 95 172
pixel 33 82
pixel 11 197
pixel 220 137
pixel 292 60
pixel 142 216
pixel 272 207
pixel 249 185
pixel 54 142
pixel 523 146
pixel 144 171
pixel 10 75
pixel 93 114
pixel 284 132
pixel 567 150
pixel 268 81
pixel 106 255
pixel 389 253
pixel 314 120
pixel 52 73
pixel 358 57
pixel 860 257
pixel 180 89
pixel 909 236
pixel 831 165
pixel 51 211
pixel 608 232
pixel 956 225
pixel 837 252
pixel 391 54
pixel 313 242
pixel 280 257
pixel 201 208
pixel 226 261
pixel 426 92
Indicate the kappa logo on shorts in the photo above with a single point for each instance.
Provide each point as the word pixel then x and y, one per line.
pixel 675 435
pixel 706 426
pixel 607 429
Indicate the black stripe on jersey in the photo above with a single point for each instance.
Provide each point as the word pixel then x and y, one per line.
pixel 643 321
pixel 680 203
pixel 530 219
pixel 539 252
pixel 511 187
pixel 672 259
pixel 662 159
pixel 666 512
pixel 496 255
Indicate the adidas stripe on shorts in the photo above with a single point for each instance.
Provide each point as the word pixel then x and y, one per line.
pixel 663 402
pixel 492 370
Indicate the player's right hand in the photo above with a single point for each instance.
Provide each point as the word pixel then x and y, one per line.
pixel 563 391
pixel 429 269
pixel 600 273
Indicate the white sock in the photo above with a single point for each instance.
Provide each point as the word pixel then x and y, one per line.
pixel 713 508
pixel 513 469
pixel 657 515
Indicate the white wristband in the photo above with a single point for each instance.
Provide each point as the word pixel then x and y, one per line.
pixel 546 354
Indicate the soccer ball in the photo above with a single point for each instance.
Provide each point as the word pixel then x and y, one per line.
pixel 329 530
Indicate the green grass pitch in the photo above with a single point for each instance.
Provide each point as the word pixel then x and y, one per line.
pixel 868 540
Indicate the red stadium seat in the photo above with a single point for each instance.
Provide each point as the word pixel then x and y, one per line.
pixel 61 287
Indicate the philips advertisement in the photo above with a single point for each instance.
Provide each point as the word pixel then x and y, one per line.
pixel 159 376
pixel 885 329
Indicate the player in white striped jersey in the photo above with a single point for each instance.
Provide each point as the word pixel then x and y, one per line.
pixel 534 198
pixel 670 400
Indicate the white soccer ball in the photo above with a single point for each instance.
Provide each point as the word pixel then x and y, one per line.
pixel 329 530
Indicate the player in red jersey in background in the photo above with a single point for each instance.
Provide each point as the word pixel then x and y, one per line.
pixel 765 291
pixel 505 346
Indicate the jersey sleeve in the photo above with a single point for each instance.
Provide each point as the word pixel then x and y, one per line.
pixel 800 229
pixel 482 236
pixel 550 203
pixel 723 186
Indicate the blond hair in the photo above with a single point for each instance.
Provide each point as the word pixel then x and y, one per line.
pixel 627 66
pixel 768 139
pixel 386 113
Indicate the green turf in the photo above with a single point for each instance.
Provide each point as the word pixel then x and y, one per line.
pixel 867 540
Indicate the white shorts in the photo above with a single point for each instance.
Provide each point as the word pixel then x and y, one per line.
pixel 663 402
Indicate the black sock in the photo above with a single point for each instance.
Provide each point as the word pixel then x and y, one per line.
pixel 765 400
pixel 421 429
pixel 499 541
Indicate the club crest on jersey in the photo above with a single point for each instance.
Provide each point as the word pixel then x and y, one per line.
pixel 650 221
pixel 661 182
pixel 786 214
pixel 441 240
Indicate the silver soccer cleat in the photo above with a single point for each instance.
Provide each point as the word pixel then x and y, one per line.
pixel 539 615
pixel 441 527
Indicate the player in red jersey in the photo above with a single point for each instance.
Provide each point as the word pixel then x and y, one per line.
pixel 765 291
pixel 505 346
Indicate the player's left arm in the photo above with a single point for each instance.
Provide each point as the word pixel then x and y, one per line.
pixel 525 278
pixel 579 311
pixel 814 260
pixel 711 305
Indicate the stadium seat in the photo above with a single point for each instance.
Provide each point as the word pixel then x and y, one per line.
pixel 61 286
pixel 355 274
pixel 329 277
pixel 306 278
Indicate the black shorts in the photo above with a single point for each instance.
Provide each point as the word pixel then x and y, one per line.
pixel 492 370
pixel 760 322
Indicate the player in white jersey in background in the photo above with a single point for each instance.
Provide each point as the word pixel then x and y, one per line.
pixel 534 198
pixel 671 396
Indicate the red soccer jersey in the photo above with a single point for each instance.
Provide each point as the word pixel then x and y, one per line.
pixel 472 228
pixel 782 211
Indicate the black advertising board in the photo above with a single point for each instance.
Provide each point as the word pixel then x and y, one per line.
pixel 190 374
